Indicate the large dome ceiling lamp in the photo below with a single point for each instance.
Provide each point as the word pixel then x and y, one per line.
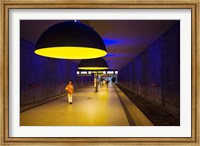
pixel 70 40
pixel 93 64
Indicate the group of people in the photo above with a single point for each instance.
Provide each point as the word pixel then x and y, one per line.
pixel 70 90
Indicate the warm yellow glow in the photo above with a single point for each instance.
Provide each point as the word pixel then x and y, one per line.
pixel 71 52
pixel 93 68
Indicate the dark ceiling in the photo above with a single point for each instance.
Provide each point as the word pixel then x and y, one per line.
pixel 124 39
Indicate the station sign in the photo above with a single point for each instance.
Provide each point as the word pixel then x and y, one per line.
pixel 89 72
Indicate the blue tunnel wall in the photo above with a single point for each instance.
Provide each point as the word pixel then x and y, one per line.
pixel 155 73
pixel 42 78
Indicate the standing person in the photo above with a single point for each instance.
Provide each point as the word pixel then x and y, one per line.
pixel 70 90
pixel 107 81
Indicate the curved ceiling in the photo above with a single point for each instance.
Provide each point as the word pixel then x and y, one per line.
pixel 124 39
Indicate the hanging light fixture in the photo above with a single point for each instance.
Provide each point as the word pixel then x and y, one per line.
pixel 93 64
pixel 70 40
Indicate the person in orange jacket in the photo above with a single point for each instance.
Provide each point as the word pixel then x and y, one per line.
pixel 70 90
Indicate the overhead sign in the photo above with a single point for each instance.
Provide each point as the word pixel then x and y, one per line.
pixel 89 72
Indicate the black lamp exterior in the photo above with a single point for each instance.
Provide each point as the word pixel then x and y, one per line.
pixel 70 33
pixel 97 62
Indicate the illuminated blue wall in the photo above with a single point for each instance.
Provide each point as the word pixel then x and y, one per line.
pixel 42 78
pixel 155 73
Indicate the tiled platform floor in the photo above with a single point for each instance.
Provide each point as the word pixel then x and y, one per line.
pixel 88 109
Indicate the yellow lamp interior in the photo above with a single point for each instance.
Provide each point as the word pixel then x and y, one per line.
pixel 71 52
pixel 93 68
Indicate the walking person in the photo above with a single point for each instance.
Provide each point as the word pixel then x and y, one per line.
pixel 70 90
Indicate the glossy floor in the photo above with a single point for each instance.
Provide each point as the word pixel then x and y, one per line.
pixel 88 109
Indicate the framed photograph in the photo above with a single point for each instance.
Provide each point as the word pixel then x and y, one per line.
pixel 147 92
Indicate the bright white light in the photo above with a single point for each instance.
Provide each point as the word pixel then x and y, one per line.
pixel 104 72
pixel 116 72
pixel 83 72
pixel 77 73
pixel 89 72
pixel 110 72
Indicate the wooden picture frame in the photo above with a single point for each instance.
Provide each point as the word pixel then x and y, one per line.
pixel 132 4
